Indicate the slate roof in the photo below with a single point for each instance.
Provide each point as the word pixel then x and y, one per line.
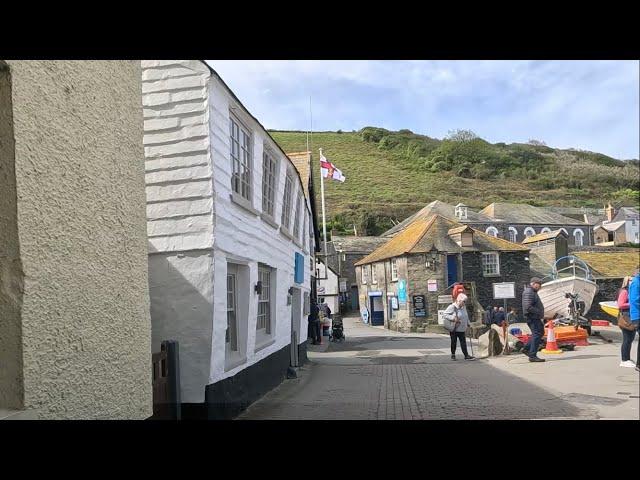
pixel 526 214
pixel 440 208
pixel 612 226
pixel 543 236
pixel 627 213
pixel 424 235
pixel 610 264
pixel 353 244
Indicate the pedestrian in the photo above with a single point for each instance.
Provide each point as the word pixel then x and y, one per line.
pixel 512 316
pixel 629 319
pixel 488 316
pixel 457 313
pixel 533 312
pixel 314 323
pixel 500 317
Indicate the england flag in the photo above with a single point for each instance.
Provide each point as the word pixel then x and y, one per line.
pixel 329 170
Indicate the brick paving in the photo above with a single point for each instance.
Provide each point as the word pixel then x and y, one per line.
pixel 377 374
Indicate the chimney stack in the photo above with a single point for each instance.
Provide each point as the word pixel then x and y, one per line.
pixel 610 213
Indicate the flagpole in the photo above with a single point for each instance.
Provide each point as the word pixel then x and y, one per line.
pixel 324 221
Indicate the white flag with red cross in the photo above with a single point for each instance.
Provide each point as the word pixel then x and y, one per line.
pixel 329 170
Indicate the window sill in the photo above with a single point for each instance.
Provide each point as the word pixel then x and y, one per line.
pixel 264 344
pixel 286 233
pixel 269 220
pixel 487 275
pixel 233 360
pixel 244 203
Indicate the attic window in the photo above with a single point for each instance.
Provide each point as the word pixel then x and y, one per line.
pixel 461 212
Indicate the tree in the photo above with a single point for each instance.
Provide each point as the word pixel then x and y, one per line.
pixel 461 135
pixel 536 143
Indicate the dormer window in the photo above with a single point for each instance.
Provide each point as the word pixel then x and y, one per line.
pixel 463 236
pixel 461 211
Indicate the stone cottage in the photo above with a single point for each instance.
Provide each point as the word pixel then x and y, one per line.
pixel 401 282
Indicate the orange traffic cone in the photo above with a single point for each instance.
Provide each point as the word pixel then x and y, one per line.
pixel 552 345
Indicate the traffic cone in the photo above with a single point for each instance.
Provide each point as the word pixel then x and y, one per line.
pixel 552 345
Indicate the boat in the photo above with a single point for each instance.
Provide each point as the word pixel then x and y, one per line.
pixel 610 307
pixel 574 278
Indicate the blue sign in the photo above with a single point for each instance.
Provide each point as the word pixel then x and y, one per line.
pixel 299 268
pixel 402 291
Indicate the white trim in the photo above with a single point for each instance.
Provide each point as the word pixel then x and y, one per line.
pixel 545 230
pixel 565 232
pixel 529 230
pixel 493 231
pixel 514 230
pixel 575 237
pixel 497 264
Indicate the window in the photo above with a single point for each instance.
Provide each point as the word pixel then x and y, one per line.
pixel 264 300
pixel 269 166
pixel 296 219
pixel 240 160
pixel 490 264
pixel 373 274
pixel 286 201
pixel 365 274
pixel 304 238
pixel 545 230
pixel 232 326
pixel 513 234
pixel 394 269
pixel 528 232
pixel 461 211
pixel 493 231
pixel 578 235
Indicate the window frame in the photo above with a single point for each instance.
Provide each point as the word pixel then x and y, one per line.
pixel 374 276
pixel 486 255
pixel 364 274
pixel 264 276
pixel 394 269
pixel 285 220
pixel 296 217
pixel 513 234
pixel 269 182
pixel 243 159
pixel 231 334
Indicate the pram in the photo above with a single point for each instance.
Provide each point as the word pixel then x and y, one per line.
pixel 337 331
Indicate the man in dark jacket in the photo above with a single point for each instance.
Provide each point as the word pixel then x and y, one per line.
pixel 533 312
pixel 314 323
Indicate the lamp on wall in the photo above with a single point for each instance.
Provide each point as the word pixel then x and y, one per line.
pixel 258 287
pixel 433 259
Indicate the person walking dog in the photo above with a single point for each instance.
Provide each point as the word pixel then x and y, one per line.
pixel 456 321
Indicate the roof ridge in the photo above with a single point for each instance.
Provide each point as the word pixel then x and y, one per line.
pixel 424 231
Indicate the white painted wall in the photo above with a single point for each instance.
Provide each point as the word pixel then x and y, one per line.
pixel 328 280
pixel 632 231
pixel 190 215
pixel 243 237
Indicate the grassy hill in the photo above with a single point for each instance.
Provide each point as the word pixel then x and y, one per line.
pixel 391 175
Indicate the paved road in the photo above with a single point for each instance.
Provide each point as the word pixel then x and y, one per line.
pixel 379 374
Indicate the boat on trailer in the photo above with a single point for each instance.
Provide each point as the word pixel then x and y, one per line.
pixel 563 284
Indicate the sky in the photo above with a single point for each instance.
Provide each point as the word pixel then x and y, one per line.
pixel 588 104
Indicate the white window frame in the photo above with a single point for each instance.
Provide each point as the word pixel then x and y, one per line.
pixel 365 274
pixel 394 269
pixel 485 264
pixel 575 237
pixel 241 158
pixel 493 231
pixel 263 322
pixel 296 218
pixel 231 333
pixel 287 198
pixel 565 232
pixel 513 234
pixel 270 164
pixel 529 232
pixel 374 277
pixel 461 212
pixel 545 230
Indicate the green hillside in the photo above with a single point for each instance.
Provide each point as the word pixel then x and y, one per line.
pixel 391 175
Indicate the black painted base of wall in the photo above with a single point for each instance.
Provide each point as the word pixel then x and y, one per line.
pixel 228 398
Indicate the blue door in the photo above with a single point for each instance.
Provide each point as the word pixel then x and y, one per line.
pixel 452 269
pixel 377 311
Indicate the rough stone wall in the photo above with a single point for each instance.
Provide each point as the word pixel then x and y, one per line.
pixel 11 276
pixel 79 167
pixel 513 268
pixel 419 276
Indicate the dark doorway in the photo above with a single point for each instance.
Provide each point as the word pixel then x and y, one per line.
pixel 452 269
pixel 354 299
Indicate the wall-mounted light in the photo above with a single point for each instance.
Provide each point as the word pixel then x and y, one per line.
pixel 432 260
pixel 258 287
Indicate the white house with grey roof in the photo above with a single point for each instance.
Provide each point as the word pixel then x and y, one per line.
pixel 232 237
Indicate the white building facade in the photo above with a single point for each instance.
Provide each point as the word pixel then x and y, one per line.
pixel 231 240
pixel 328 286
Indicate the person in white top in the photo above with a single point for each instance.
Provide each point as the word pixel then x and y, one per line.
pixel 457 312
